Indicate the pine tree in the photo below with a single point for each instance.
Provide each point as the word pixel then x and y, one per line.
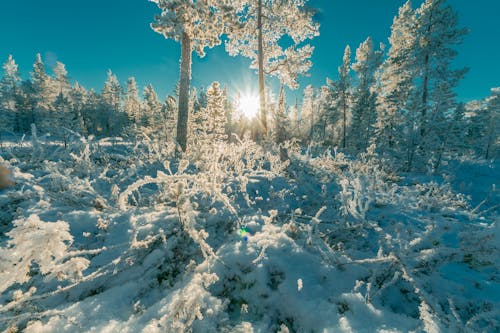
pixel 78 97
pixel 368 61
pixel 63 119
pixel 169 112
pixel 9 88
pixel 42 92
pixel 492 133
pixel 342 98
pixel 196 24
pixel 307 116
pixel 151 108
pixel 92 115
pixel 281 120
pixel 257 34
pixel 62 84
pixel 216 105
pixel 112 118
pixel 395 85
pixel 132 105
pixel 484 128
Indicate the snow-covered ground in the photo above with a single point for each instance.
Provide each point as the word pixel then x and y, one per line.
pixel 112 236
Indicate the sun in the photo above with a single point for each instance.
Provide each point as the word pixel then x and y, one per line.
pixel 249 105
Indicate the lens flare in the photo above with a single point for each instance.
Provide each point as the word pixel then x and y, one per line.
pixel 249 105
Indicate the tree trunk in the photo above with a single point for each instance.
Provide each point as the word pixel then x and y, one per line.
pixel 344 125
pixel 426 81
pixel 263 113
pixel 185 77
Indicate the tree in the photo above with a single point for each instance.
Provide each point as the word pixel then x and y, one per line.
pixel 437 33
pixel 281 120
pixel 151 108
pixel 492 133
pixel 78 97
pixel 342 98
pixel 368 61
pixel 111 99
pixel 62 119
pixel 42 92
pixel 132 102
pixel 8 96
pixel 307 116
pixel 216 109
pixel 62 84
pixel 274 21
pixel 395 83
pixel 196 24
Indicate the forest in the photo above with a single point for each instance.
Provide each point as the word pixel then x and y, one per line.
pixel 370 204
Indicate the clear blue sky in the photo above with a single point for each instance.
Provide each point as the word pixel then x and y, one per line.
pixel 93 36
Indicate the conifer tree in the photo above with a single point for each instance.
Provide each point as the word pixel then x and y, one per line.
pixel 368 60
pixel 307 116
pixel 151 108
pixel 395 84
pixel 281 120
pixel 196 24
pixel 42 94
pixel 342 98
pixel 111 98
pixel 132 105
pixel 261 25
pixel 216 106
pixel 9 87
pixel 61 79
pixel 78 98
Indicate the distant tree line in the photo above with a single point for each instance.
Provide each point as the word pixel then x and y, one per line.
pixel 397 102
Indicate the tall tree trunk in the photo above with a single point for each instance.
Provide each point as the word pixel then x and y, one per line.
pixel 426 81
pixel 263 113
pixel 344 120
pixel 185 77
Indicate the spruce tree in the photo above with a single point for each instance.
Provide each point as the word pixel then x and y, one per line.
pixel 9 89
pixel 368 61
pixel 395 85
pixel 257 34
pixel 216 106
pixel 196 24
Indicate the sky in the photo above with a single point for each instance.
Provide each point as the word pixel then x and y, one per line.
pixel 93 36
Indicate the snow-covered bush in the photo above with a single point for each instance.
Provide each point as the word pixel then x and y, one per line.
pixel 44 244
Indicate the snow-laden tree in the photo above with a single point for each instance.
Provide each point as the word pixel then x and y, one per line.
pixel 132 105
pixel 78 97
pixel 61 79
pixel 216 107
pixel 368 60
pixel 151 108
pixel 280 118
pixel 169 120
pixel 111 106
pixel 92 115
pixel 484 128
pixel 293 116
pixel 308 115
pixel 395 83
pixel 342 97
pixel 196 24
pixel 492 133
pixel 42 92
pixel 437 33
pixel 9 86
pixel 62 118
pixel 258 34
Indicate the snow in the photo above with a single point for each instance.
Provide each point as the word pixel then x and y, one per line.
pixel 243 244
